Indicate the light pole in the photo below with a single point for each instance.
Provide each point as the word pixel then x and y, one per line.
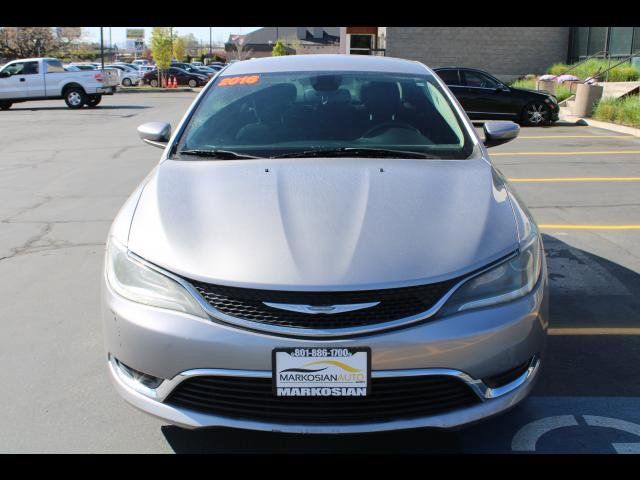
pixel 102 46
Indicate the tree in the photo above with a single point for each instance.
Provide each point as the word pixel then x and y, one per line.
pixel 179 49
pixel 161 49
pixel 278 49
pixel 240 52
pixel 25 42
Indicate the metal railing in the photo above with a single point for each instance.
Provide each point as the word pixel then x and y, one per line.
pixel 600 72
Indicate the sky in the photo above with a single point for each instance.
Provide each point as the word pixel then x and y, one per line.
pixel 118 34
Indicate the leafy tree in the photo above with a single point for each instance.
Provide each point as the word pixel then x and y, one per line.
pixel 161 49
pixel 25 42
pixel 278 49
pixel 179 49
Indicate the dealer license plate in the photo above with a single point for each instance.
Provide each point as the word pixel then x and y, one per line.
pixel 321 372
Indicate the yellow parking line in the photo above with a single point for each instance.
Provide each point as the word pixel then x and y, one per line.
pixel 553 226
pixel 594 331
pixel 605 152
pixel 576 136
pixel 575 179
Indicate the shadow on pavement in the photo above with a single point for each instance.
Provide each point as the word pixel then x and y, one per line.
pixel 586 291
pixel 226 440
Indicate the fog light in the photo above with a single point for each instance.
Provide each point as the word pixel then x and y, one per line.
pixel 139 381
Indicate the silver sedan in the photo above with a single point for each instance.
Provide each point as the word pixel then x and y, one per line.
pixel 324 247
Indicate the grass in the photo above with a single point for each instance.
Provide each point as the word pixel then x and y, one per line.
pixel 562 92
pixel 622 73
pixel 625 111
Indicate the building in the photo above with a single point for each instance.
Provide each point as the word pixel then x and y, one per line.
pixel 297 40
pixel 506 52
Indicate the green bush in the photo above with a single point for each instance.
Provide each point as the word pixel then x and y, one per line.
pixel 625 111
pixel 622 73
pixel 524 83
pixel 561 94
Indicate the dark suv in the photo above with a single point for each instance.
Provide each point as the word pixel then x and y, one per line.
pixel 485 97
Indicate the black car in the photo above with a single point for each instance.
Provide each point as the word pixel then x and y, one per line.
pixel 485 97
pixel 182 77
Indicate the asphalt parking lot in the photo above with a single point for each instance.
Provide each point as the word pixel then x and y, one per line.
pixel 64 174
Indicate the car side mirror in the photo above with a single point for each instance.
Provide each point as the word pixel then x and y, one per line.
pixel 5 74
pixel 497 133
pixel 155 133
pixel 501 88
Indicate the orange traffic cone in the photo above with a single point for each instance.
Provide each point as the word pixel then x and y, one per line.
pixel 175 82
pixel 164 82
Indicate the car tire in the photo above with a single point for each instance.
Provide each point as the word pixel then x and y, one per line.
pixel 193 83
pixel 126 82
pixel 75 97
pixel 93 101
pixel 535 114
pixel 154 83
pixel 5 105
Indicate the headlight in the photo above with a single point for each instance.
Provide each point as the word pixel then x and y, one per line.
pixel 509 280
pixel 135 281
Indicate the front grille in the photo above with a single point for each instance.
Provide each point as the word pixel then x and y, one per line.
pixel 389 399
pixel 395 303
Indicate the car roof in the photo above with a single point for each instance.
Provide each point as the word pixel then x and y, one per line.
pixel 326 62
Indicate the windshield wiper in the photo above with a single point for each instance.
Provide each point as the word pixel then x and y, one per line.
pixel 355 152
pixel 216 153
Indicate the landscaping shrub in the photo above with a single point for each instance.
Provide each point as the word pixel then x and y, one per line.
pixel 625 111
pixel 562 92
pixel 622 73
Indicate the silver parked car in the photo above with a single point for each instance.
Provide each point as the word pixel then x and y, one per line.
pixel 324 247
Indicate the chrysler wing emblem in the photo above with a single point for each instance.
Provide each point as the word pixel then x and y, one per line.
pixel 326 309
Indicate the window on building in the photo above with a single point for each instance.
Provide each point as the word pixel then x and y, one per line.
pixel 360 44
pixel 580 42
pixel 636 40
pixel 620 41
pixel 597 40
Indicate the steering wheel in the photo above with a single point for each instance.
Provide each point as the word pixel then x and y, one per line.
pixel 373 131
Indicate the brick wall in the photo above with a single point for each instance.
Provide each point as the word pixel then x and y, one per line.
pixel 505 52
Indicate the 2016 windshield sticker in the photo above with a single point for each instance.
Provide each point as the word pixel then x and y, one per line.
pixel 243 80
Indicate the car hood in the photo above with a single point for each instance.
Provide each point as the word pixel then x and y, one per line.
pixel 332 223
pixel 530 92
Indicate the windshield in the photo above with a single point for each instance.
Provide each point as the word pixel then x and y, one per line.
pixel 329 113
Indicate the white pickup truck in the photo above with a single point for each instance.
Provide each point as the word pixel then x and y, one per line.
pixel 46 79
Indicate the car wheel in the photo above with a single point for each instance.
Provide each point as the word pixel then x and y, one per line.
pixel 94 100
pixel 75 97
pixel 153 83
pixel 536 114
pixel 193 83
pixel 126 82
pixel 5 105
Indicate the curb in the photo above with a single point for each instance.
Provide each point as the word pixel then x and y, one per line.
pixel 614 127
pixel 153 90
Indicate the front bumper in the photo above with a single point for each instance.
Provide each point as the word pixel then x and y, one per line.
pixel 476 343
pixel 494 401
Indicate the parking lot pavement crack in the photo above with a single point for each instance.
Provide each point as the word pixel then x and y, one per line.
pixel 45 199
pixel 30 242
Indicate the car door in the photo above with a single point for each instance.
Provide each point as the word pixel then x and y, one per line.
pixel 487 97
pixel 34 79
pixel 14 85
pixel 53 75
